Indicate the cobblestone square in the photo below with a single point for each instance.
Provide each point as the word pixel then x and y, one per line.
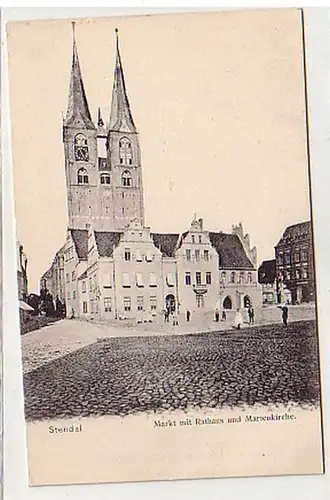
pixel 266 365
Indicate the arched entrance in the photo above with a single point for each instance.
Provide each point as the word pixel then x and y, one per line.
pixel 247 301
pixel 170 303
pixel 227 303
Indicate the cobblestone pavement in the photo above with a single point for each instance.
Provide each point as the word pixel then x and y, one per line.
pixel 66 336
pixel 121 376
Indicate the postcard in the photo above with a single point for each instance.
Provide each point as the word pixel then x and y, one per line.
pixel 166 272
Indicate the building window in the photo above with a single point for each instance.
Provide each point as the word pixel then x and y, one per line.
pixel 148 256
pixel 107 280
pixel 170 279
pixel 193 238
pixel 188 254
pixel 127 304
pixel 125 151
pixel 67 277
pixel 241 277
pixel 138 255
pixel 139 303
pixel 83 286
pixel 74 294
pixel 208 278
pixel 126 179
pixel 188 279
pixel 105 178
pixel 232 277
pixel 296 255
pixel 288 275
pixel 107 304
pixel 152 279
pixel 73 275
pixel 85 307
pixel 223 277
pixel 81 148
pixel 153 303
pixel 287 257
pixel 206 255
pixel 280 258
pixel 298 274
pixel 126 280
pixel 139 280
pixel 197 255
pixel 305 273
pixel 304 255
pixel 68 295
pixel 200 300
pixel 127 254
pixel 82 176
pixel 249 277
pixel 200 238
pixel 90 285
pixel 91 306
pixel 198 278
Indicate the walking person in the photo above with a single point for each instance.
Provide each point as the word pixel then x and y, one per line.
pixel 217 315
pixel 188 315
pixel 224 315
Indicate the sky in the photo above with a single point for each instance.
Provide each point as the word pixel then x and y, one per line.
pixel 218 100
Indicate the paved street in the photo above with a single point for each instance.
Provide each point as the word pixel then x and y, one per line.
pixel 119 376
pixel 66 336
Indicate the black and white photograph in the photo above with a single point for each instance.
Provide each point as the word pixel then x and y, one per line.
pixel 165 249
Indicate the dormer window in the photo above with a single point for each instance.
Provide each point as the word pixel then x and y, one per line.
pixel 125 151
pixel 126 179
pixel 105 178
pixel 81 148
pixel 82 176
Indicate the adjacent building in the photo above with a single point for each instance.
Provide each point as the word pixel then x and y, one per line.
pixel 295 263
pixel 112 265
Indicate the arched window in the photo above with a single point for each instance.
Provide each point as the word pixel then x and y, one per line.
pixel 241 277
pixel 125 151
pixel 223 277
pixel 82 176
pixel 232 277
pixel 126 179
pixel 81 148
pixel 227 303
pixel 249 277
pixel 105 178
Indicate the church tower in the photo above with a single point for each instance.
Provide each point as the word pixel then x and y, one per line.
pixel 102 164
pixel 124 156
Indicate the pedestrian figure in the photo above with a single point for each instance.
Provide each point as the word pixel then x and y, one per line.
pixel 285 314
pixel 224 315
pixel 166 316
pixel 188 315
pixel 238 319
pixel 217 315
pixel 175 319
pixel 251 315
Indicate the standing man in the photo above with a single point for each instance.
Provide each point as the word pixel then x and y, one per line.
pixel 188 315
pixel 285 314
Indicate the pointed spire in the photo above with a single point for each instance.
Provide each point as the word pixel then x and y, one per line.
pixel 78 110
pixel 100 122
pixel 120 115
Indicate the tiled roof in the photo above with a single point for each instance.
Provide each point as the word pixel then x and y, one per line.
pixel 106 241
pixel 80 239
pixel 83 276
pixel 166 243
pixel 267 271
pixel 231 251
pixel 296 232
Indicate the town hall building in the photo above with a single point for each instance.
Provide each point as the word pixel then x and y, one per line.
pixel 112 266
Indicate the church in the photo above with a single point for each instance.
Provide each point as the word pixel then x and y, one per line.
pixel 112 265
